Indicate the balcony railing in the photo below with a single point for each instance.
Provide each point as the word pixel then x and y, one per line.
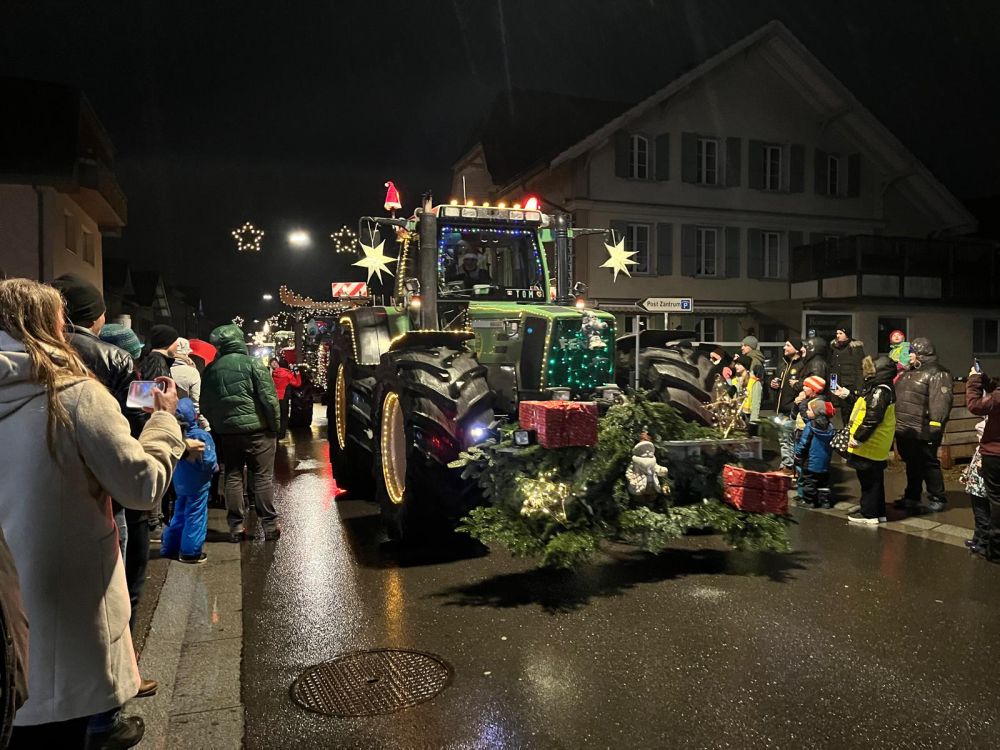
pixel 871 266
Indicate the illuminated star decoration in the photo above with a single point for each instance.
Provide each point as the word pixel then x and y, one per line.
pixel 618 257
pixel 344 239
pixel 375 261
pixel 248 238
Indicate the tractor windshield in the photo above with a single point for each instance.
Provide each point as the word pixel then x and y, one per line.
pixel 493 262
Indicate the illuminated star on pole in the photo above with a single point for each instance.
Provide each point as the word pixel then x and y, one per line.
pixel 619 258
pixel 375 261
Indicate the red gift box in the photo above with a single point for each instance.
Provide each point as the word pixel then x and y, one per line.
pixel 755 500
pixel 770 481
pixel 560 424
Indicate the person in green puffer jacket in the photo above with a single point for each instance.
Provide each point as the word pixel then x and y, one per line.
pixel 239 401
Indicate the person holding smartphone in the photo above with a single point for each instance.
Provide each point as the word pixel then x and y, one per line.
pixel 846 356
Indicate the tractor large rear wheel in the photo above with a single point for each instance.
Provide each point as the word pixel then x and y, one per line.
pixel 679 375
pixel 350 429
pixel 432 403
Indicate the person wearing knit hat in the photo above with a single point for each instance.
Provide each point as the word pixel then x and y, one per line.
pixel 812 387
pixel 815 383
pixel 750 346
pixel 188 378
pixel 84 302
pixel 813 451
pixel 846 356
pixel 122 337
pixel 788 386
pixel 751 391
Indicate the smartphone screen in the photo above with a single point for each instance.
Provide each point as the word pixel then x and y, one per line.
pixel 140 394
pixel 977 365
pixel 833 383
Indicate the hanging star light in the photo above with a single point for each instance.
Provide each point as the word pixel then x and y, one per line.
pixel 248 238
pixel 344 239
pixel 618 257
pixel 375 261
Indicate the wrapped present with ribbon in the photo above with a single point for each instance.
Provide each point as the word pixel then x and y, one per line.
pixel 560 424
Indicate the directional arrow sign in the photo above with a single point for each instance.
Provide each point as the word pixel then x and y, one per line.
pixel 668 304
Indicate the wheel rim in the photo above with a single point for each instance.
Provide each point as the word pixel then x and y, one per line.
pixel 393 444
pixel 341 408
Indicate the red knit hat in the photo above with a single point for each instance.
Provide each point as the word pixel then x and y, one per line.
pixel 816 383
pixel 897 337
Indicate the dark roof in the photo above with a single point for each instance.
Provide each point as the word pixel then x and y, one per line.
pixel 144 285
pixel 525 129
pixel 48 127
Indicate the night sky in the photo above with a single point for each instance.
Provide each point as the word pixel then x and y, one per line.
pixel 293 114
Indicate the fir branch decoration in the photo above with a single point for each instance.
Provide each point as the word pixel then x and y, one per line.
pixel 559 505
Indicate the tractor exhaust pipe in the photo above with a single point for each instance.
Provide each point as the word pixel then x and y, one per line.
pixel 560 234
pixel 428 266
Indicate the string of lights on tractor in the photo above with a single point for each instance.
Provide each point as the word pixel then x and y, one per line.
pixel 345 241
pixel 248 238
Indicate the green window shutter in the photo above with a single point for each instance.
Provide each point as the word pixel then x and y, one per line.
pixel 795 239
pixel 622 145
pixel 662 151
pixel 732 269
pixel 689 157
pixel 734 152
pixel 797 170
pixel 755 178
pixel 689 249
pixel 664 249
pixel 854 175
pixel 822 166
pixel 755 254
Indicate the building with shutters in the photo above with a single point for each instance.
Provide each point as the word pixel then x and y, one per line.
pixel 751 183
pixel 58 191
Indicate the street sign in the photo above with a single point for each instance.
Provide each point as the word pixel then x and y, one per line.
pixel 668 304
pixel 349 289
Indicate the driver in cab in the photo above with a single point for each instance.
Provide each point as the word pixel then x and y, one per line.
pixel 467 268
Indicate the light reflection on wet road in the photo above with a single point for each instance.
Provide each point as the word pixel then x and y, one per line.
pixel 860 638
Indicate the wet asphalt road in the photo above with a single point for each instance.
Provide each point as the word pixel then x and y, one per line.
pixel 860 638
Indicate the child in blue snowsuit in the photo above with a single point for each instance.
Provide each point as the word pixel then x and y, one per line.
pixel 814 451
pixel 185 536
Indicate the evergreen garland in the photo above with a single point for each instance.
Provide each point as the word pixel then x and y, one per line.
pixel 559 505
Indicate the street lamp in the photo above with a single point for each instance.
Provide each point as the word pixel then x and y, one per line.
pixel 267 297
pixel 299 238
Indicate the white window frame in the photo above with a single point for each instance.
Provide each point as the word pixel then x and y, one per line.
pixel 702 330
pixel 835 173
pixel 701 234
pixel 773 177
pixel 996 349
pixel 628 326
pixel 638 169
pixel 766 238
pixel 632 232
pixel 702 156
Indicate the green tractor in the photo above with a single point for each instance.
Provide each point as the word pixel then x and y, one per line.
pixel 471 334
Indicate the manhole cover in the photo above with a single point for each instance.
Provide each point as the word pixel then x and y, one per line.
pixel 365 683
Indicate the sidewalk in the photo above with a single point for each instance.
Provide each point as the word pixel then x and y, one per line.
pixel 194 650
pixel 952 526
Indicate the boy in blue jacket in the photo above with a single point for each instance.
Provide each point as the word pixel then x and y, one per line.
pixel 185 536
pixel 813 451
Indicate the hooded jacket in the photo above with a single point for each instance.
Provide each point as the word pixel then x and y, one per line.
pixel 56 517
pixel 923 397
pixel 814 362
pixel 237 393
pixel 878 395
pixel 813 446
pixel 845 363
pixel 192 478
pixel 984 401
pixel 188 378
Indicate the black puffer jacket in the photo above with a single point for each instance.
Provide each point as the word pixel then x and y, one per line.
pixel 112 366
pixel 814 363
pixel 879 395
pixel 791 385
pixel 845 363
pixel 923 398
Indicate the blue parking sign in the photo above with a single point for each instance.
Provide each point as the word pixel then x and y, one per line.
pixel 685 304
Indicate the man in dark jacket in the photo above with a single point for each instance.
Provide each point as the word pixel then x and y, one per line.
pixel 239 400
pixel 923 403
pixel 158 354
pixel 814 362
pixel 788 387
pixel 846 355
pixel 982 398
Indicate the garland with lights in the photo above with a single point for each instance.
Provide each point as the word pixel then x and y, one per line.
pixel 560 505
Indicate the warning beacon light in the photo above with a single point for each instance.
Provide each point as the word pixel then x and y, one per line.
pixel 531 204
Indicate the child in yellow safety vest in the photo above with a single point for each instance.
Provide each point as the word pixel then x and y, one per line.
pixel 751 390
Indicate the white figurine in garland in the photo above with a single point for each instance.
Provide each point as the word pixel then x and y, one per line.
pixel 644 476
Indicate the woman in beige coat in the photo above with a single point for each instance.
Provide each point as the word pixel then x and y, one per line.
pixel 66 449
